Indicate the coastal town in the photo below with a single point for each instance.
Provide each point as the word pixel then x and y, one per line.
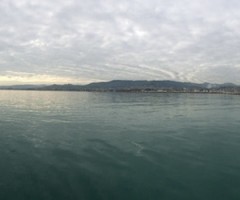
pixel 137 87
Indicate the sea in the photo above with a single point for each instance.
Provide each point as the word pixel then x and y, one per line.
pixel 119 146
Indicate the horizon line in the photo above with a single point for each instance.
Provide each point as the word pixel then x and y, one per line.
pixel 79 84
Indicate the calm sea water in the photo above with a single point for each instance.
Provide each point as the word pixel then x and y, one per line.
pixel 71 145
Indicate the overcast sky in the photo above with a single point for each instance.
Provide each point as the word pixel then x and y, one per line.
pixel 80 41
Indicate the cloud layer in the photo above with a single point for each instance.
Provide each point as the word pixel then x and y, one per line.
pixel 77 41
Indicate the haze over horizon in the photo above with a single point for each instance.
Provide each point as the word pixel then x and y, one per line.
pixel 75 41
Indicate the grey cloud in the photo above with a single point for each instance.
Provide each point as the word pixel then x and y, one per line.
pixel 108 39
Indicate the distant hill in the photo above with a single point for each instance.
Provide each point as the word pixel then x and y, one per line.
pixel 136 85
pixel 119 84
pixel 130 85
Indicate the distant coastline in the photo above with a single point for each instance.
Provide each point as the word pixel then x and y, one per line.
pixel 141 86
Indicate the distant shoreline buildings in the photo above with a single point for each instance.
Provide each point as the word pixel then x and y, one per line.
pixel 137 86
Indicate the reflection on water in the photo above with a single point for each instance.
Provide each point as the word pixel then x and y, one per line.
pixel 70 145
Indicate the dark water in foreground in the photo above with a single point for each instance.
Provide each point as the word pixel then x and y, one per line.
pixel 65 146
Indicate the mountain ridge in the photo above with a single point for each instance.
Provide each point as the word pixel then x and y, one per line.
pixel 129 85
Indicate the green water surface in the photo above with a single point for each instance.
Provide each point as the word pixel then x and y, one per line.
pixel 119 146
